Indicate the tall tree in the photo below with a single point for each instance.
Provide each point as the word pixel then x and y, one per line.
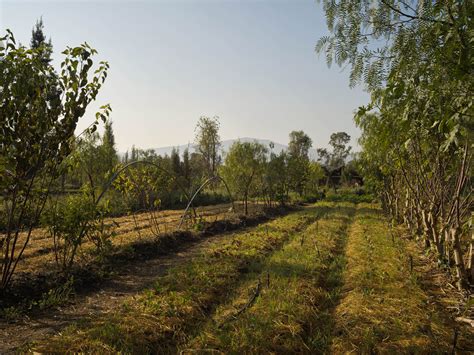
pixel 298 160
pixel 109 151
pixel 335 160
pixel 134 154
pixel 38 42
pixel 243 167
pixel 276 178
pixel 208 142
pixel 176 162
pixel 299 145
pixel 186 168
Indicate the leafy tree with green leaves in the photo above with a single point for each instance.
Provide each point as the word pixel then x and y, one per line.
pixel 72 220
pixel 275 183
pixel 208 142
pixel 243 167
pixel 314 176
pixel 198 167
pixel 299 145
pixel 415 57
pixel 186 168
pixel 37 133
pixel 86 161
pixel 298 160
pixel 93 159
pixel 176 162
pixel 146 187
pixel 335 160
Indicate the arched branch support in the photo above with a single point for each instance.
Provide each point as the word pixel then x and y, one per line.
pixel 203 185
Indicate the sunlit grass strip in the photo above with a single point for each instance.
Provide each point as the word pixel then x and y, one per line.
pixel 383 309
pixel 160 318
pixel 293 309
pixel 126 230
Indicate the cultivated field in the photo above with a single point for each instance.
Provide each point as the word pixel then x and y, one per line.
pixel 127 230
pixel 329 277
pixel 360 242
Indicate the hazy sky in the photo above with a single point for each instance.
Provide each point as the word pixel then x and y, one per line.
pixel 252 63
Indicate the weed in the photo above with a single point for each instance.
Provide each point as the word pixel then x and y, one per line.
pixel 11 313
pixel 57 296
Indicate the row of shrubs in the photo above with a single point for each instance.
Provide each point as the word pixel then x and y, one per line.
pixel 74 218
pixel 347 194
pixel 120 205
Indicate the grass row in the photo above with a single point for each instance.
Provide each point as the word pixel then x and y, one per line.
pixel 161 317
pixel 383 308
pixel 285 306
pixel 91 267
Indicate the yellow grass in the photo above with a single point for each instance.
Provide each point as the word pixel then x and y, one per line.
pixel 128 229
pixel 384 309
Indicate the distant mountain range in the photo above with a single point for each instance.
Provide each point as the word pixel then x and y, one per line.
pixel 277 148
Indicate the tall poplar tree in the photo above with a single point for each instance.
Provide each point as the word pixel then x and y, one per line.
pixel 109 151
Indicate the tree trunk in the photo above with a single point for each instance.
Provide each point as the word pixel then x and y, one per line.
pixel 426 229
pixel 63 182
pixel 246 203
pixel 460 271
pixel 470 265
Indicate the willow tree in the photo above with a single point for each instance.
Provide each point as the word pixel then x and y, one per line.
pixel 39 112
pixel 415 57
pixel 243 168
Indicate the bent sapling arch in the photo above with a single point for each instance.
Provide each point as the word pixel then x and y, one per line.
pixel 203 185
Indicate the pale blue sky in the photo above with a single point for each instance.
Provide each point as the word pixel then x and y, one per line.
pixel 250 62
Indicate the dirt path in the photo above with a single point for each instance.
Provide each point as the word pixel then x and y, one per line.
pixel 111 294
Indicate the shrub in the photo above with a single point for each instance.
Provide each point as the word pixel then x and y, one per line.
pixel 357 195
pixel 71 221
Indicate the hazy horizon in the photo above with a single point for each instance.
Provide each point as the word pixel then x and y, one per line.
pixel 252 63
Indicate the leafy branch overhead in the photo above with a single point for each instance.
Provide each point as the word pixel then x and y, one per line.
pixel 415 58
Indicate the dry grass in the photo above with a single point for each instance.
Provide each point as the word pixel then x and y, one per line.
pixel 384 309
pixel 299 286
pixel 341 285
pixel 39 254
pixel 160 318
